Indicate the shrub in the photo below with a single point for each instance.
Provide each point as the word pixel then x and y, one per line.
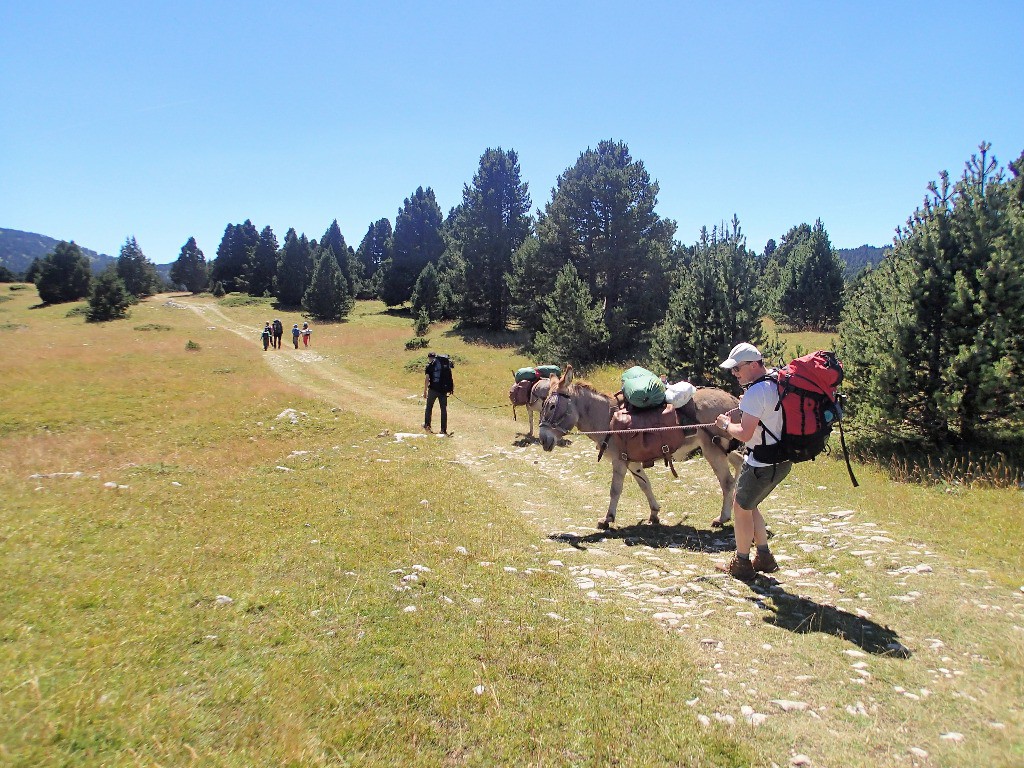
pixel 191 346
pixel 418 343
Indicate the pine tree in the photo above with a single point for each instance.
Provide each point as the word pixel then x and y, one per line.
pixel 189 269
pixel 138 273
pixel 425 294
pixel 327 297
pixel 532 274
pixel 261 268
pixel 417 241
pixel 713 307
pixel 931 336
pixel 602 218
pixel 492 222
pixel 811 285
pixel 294 269
pixel 64 275
pixel 334 240
pixel 773 265
pixel 451 284
pixel 110 298
pixel 373 251
pixel 233 253
pixel 574 330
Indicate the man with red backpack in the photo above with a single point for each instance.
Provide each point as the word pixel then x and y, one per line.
pixel 760 424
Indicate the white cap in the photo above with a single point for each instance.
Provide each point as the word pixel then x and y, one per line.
pixel 741 353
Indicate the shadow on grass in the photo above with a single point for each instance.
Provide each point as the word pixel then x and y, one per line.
pixel 803 616
pixel 514 340
pixel 681 536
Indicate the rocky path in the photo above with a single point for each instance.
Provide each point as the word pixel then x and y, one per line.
pixel 873 591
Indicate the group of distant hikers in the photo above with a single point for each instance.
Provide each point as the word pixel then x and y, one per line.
pixel 273 332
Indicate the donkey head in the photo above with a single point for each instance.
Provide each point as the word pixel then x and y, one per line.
pixel 558 415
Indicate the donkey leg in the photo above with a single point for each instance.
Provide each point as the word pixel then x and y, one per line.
pixel 723 466
pixel 645 485
pixel 618 475
pixel 529 410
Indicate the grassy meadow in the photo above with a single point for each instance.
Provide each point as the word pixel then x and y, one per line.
pixel 220 556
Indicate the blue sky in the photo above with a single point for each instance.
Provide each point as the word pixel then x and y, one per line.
pixel 165 121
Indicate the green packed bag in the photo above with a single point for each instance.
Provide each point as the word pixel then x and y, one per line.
pixel 537 373
pixel 642 389
pixel 527 374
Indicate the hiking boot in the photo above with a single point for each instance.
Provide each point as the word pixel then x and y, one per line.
pixel 765 564
pixel 738 568
pixel 426 428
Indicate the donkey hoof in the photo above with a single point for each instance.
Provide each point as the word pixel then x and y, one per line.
pixel 655 520
pixel 603 525
pixel 718 522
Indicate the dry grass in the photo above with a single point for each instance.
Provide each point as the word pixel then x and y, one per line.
pixel 114 649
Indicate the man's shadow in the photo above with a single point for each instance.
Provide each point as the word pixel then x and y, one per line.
pixel 802 616
pixel 786 611
pixel 680 536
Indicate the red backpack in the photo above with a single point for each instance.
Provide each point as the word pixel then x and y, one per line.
pixel 810 407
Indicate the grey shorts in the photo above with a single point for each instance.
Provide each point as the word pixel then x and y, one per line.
pixel 755 483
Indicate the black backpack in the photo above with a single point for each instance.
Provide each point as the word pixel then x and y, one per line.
pixel 441 374
pixel 278 328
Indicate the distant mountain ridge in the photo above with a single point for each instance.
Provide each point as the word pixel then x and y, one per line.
pixel 858 258
pixel 18 249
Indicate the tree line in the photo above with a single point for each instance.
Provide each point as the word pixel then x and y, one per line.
pixel 597 275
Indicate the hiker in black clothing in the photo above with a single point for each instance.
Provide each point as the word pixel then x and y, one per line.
pixel 266 335
pixel 278 333
pixel 437 385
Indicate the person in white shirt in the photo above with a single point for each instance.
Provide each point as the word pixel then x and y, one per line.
pixel 758 409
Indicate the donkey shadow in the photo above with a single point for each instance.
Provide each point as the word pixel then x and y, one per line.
pixel 678 536
pixel 803 616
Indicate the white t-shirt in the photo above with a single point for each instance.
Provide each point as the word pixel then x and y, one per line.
pixel 760 401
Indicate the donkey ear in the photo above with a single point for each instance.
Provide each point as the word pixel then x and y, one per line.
pixel 567 377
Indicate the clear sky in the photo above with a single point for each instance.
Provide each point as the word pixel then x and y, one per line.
pixel 170 120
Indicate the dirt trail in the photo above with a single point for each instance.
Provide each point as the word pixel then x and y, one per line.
pixel 665 573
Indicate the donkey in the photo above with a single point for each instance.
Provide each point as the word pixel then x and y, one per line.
pixel 579 405
pixel 538 394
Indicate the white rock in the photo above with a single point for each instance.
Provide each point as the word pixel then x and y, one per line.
pixel 410 578
pixel 554 616
pixel 918 752
pixel 223 600
pixel 111 486
pixel 283 469
pixel 421 568
pixel 953 736
pixel 790 706
pixel 666 616
pixel 556 563
pixel 461 551
pixel 752 717
pixel 857 709
pixel 704 720
pixel 585 583
pixel 479 690
pixel 176 484
pixel 409 609
pixel 800 760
